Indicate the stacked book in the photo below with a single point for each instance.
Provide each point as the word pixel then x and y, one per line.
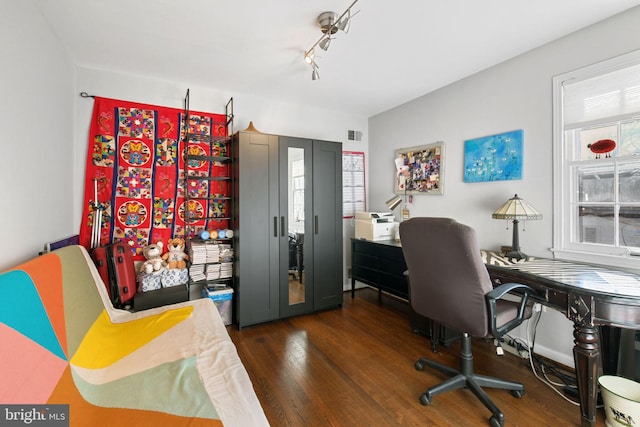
pixel 213 252
pixel 213 271
pixel 198 253
pixel 210 261
pixel 196 272
pixel 226 270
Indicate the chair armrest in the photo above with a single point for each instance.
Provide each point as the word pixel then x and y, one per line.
pixel 498 293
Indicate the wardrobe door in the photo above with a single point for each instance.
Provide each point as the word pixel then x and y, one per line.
pixel 259 228
pixel 296 255
pixel 327 224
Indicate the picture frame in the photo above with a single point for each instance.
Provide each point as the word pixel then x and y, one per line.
pixel 420 169
pixel 494 158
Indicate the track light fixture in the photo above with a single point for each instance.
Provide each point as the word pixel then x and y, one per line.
pixel 309 56
pixel 324 43
pixel 329 23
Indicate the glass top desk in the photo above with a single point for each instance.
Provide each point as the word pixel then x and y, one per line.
pixel 590 296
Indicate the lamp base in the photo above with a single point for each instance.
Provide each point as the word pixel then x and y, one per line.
pixel 517 255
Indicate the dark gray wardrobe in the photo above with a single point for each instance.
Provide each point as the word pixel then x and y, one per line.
pixel 288 219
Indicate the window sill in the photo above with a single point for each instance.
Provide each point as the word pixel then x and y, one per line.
pixel 623 262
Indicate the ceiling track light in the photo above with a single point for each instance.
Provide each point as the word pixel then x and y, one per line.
pixel 309 56
pixel 329 23
pixel 314 73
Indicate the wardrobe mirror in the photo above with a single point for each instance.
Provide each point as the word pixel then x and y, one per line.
pixel 296 181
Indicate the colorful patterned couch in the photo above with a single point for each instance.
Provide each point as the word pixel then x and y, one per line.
pixel 62 342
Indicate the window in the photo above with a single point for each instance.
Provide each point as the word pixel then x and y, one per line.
pixel 296 220
pixel 596 153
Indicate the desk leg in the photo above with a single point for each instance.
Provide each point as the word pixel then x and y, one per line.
pixel 586 356
pixel 353 285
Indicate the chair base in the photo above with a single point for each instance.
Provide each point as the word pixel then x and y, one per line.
pixel 466 378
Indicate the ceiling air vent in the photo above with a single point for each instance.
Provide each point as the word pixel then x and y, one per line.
pixel 354 135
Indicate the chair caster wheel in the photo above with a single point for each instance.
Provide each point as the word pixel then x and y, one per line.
pixel 425 399
pixel 495 422
pixel 419 365
pixel 517 393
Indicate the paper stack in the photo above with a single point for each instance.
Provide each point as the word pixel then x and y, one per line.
pixel 196 272
pixel 198 253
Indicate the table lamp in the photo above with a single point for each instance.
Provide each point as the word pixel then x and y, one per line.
pixel 393 202
pixel 516 209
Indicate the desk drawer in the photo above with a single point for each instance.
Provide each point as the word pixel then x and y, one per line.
pixel 389 266
pixel 378 250
pixel 393 267
pixel 365 260
pixel 380 265
pixel 367 275
pixel 395 285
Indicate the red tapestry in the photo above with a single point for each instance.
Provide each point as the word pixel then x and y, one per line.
pixel 135 173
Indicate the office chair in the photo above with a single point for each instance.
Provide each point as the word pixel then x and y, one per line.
pixel 449 283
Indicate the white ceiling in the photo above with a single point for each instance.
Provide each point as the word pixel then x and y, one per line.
pixel 394 51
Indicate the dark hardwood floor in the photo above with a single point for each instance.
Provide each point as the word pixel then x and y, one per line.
pixel 354 366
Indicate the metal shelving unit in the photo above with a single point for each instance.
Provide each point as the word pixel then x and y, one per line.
pixel 207 192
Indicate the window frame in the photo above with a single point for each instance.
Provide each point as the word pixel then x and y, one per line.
pixel 564 184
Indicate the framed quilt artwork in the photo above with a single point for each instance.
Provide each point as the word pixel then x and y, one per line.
pixel 419 170
pixel 135 173
pixel 494 158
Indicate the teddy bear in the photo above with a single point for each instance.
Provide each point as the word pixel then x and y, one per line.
pixel 175 257
pixel 153 261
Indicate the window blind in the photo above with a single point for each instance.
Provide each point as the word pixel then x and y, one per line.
pixel 614 95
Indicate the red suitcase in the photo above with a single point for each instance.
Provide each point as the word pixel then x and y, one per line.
pixel 120 272
pixel 100 259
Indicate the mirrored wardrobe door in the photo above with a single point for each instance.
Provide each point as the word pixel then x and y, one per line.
pixel 297 288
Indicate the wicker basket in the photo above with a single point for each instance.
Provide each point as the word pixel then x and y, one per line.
pixel 621 399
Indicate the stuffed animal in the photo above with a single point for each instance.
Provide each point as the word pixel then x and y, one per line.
pixel 175 257
pixel 153 255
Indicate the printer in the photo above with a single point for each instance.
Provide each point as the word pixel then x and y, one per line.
pixel 375 226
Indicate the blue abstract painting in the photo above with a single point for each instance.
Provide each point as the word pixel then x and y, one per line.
pixel 494 158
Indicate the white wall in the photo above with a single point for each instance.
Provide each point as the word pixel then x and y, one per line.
pixel 36 106
pixel 268 115
pixel 513 95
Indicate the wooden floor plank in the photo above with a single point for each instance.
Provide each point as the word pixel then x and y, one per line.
pixel 354 366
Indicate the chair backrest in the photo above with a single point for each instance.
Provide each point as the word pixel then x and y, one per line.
pixel 447 279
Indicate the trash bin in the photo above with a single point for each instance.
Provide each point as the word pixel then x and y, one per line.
pixel 621 398
pixel 222 298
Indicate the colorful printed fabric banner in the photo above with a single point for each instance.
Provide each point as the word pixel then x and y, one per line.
pixel 135 174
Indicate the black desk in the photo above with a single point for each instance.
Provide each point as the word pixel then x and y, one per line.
pixel 381 265
pixel 589 296
pixel 592 297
